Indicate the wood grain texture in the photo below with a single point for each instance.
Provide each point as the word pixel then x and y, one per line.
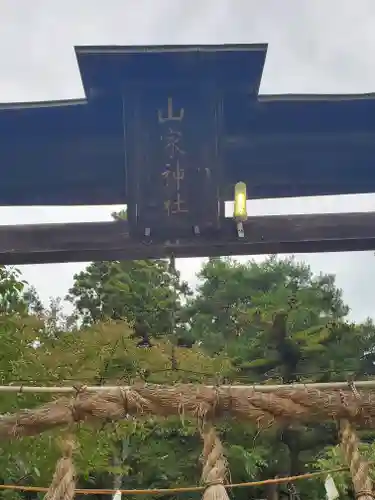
pixel 82 242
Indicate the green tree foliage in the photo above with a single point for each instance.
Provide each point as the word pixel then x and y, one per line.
pixel 266 285
pixel 103 354
pixel 11 291
pixel 279 323
pixel 146 293
pixel 143 292
pixel 268 322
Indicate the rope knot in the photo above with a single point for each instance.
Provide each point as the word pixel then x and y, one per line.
pixel 132 401
pixel 74 407
pixel 214 482
pixel 124 399
pixel 67 447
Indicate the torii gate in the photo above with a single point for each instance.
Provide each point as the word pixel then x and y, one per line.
pixel 169 131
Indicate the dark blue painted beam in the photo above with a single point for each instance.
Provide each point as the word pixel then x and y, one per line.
pixel 74 152
pixel 62 154
pixel 106 69
pixel 301 145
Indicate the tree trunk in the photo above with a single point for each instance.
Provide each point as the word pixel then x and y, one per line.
pixel 272 492
pixel 117 479
pixel 119 456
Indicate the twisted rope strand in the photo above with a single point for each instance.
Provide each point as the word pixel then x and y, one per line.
pixel 280 406
pixel 215 466
pixel 358 466
pixel 63 482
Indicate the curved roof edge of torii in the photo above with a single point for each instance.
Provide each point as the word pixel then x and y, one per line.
pixel 71 151
pixel 93 61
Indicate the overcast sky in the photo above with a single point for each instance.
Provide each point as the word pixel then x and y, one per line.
pixel 320 46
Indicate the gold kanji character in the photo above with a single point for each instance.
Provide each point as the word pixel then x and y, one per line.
pixel 170 116
pixel 166 175
pixel 173 143
pixel 167 207
pixel 178 205
pixel 179 175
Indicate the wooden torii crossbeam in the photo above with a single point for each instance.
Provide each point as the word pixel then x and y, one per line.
pixel 82 242
pixel 168 131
